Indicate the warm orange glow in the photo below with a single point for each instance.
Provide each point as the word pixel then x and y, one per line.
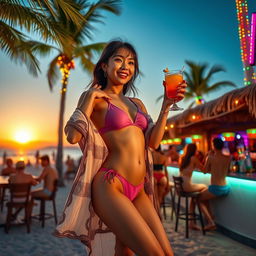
pixel 23 136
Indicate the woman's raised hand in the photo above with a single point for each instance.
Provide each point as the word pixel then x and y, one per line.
pixel 93 93
pixel 96 92
pixel 181 90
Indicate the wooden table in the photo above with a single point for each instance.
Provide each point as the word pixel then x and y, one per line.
pixel 4 181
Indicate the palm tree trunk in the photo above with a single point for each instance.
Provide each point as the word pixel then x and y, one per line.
pixel 59 158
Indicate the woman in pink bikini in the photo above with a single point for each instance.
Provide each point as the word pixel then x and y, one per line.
pixel 112 194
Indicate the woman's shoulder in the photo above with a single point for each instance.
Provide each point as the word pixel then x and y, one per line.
pixel 139 103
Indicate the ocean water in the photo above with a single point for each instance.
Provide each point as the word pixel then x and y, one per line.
pixel 29 155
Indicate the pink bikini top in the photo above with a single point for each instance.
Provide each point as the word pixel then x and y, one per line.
pixel 116 119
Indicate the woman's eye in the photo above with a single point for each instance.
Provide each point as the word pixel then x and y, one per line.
pixel 118 60
pixel 131 63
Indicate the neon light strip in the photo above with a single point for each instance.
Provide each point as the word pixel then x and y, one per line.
pixel 252 39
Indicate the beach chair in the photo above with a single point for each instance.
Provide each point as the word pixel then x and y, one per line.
pixel 42 216
pixel 186 215
pixel 19 199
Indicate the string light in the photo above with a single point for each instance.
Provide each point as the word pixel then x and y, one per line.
pixel 65 64
pixel 244 36
pixel 199 100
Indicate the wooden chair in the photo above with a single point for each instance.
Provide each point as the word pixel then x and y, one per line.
pixel 42 216
pixel 186 215
pixel 19 199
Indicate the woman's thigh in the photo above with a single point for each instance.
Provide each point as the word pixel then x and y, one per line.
pixel 122 217
pixel 147 211
pixel 192 187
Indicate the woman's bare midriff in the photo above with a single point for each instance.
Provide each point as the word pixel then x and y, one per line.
pixel 126 153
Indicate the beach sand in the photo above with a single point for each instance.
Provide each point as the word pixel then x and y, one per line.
pixel 41 242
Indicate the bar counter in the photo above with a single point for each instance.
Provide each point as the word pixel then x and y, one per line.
pixel 235 214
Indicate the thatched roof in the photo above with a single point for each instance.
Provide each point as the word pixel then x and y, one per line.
pixel 234 110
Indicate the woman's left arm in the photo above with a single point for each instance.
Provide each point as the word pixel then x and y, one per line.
pixel 159 128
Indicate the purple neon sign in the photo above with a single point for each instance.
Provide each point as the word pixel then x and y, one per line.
pixel 252 40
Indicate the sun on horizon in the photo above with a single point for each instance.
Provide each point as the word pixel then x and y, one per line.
pixel 23 136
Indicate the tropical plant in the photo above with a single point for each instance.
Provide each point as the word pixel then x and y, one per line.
pixel 199 82
pixel 18 17
pixel 71 49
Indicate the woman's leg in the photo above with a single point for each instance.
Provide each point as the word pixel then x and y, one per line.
pixel 205 196
pixel 122 250
pixel 149 214
pixel 162 189
pixel 121 216
pixel 156 185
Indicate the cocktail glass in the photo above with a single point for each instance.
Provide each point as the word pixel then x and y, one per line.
pixel 172 80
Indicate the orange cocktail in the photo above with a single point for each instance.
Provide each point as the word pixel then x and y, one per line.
pixel 172 81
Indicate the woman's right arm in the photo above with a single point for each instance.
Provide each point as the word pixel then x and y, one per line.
pixel 86 104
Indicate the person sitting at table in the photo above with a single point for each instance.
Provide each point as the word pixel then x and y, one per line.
pixel 21 177
pixel 9 169
pixel 188 163
pixel 48 175
pixel 160 178
pixel 217 164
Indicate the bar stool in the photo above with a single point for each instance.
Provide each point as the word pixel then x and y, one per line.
pixel 186 215
pixel 42 216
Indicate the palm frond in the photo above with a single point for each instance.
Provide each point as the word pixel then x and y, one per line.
pixel 53 73
pixel 214 69
pixel 13 43
pixel 159 98
pixel 219 85
pixel 68 7
pixel 191 104
pixel 89 49
pixel 93 15
pixel 16 15
pixel 87 64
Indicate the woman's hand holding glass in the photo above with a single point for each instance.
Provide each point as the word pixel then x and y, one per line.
pixel 181 90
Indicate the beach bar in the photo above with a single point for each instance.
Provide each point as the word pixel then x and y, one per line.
pixel 233 118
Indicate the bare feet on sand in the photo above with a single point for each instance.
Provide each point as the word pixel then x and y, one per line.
pixel 194 227
pixel 210 227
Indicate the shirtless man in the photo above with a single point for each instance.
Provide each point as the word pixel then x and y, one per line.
pixel 20 176
pixel 218 165
pixel 9 169
pixel 49 175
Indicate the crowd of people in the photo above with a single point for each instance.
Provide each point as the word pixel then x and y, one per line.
pixel 17 175
pixel 214 162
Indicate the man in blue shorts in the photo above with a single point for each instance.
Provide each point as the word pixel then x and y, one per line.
pixel 218 165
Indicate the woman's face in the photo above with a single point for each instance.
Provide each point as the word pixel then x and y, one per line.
pixel 120 67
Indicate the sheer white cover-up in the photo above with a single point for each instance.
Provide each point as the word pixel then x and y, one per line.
pixel 78 220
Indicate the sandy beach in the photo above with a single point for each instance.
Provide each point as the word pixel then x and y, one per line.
pixel 41 242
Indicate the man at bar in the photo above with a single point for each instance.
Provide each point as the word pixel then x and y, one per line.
pixel 217 164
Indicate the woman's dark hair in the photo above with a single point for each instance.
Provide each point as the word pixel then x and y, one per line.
pixel 110 49
pixel 190 151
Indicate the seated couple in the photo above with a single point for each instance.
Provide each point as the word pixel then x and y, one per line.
pixel 218 165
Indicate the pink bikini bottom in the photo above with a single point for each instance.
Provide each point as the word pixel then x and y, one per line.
pixel 130 190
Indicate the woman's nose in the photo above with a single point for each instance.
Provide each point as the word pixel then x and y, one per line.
pixel 123 65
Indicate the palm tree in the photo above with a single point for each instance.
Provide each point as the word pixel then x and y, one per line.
pixel 17 16
pixel 71 49
pixel 199 82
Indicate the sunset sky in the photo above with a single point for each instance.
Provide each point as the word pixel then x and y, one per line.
pixel 165 34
